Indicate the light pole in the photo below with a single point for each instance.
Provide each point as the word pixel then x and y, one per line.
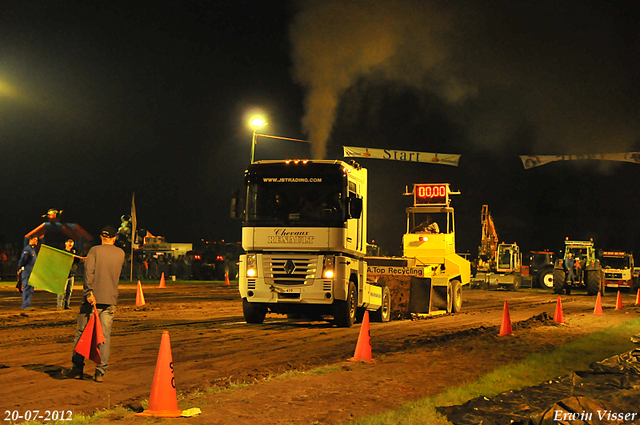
pixel 255 123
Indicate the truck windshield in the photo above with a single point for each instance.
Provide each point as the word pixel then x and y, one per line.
pixel 295 200
pixel 579 253
pixel 504 257
pixel 619 263
pixel 540 260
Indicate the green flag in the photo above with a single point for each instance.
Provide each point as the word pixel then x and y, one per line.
pixel 51 269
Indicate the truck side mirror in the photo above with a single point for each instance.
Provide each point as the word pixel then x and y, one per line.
pixel 355 207
pixel 236 205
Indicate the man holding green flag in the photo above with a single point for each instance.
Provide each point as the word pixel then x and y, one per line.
pixel 51 269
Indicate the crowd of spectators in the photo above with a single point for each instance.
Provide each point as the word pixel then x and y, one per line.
pixel 152 266
pixel 9 256
pixel 145 266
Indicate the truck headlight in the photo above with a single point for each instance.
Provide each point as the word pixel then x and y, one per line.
pixel 252 265
pixel 328 266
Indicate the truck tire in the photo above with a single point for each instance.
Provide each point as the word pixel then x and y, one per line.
pixel 456 294
pixel 592 278
pixel 558 281
pixel 449 298
pixel 253 312
pixel 545 279
pixel 383 314
pixel 345 311
pixel 517 281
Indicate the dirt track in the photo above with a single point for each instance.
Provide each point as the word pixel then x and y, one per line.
pixel 212 346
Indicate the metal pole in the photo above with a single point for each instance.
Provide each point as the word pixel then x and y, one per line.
pixel 134 221
pixel 253 145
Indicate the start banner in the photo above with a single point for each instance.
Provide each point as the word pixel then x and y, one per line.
pixel 398 155
pixel 532 161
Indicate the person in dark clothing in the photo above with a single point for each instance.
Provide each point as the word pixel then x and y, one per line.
pixel 25 267
pixel 102 273
pixel 569 263
pixel 65 296
pixel 428 226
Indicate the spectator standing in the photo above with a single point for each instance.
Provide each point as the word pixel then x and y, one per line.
pixel 65 296
pixel 569 264
pixel 102 273
pixel 3 260
pixel 25 267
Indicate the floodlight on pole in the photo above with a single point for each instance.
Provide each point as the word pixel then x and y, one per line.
pixel 255 123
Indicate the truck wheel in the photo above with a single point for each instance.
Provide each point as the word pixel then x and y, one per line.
pixel 456 293
pixel 345 311
pixel 383 314
pixel 545 279
pixel 593 281
pixel 558 281
pixel 253 312
pixel 517 281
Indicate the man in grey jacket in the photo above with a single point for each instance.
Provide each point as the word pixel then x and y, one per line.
pixel 102 274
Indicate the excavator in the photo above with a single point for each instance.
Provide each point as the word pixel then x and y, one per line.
pixel 499 264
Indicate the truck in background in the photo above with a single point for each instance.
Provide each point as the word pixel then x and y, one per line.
pixel 304 232
pixel 619 269
pixel 541 269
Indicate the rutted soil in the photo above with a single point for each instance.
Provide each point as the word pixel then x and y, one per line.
pixel 211 346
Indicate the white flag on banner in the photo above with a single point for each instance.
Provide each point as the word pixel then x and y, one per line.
pixel 532 161
pixel 398 155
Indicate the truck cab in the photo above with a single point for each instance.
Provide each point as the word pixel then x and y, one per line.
pixel 619 270
pixel 304 233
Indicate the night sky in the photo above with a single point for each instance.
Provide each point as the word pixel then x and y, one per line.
pixel 100 99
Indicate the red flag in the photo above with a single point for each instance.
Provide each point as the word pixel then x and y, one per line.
pixel 91 337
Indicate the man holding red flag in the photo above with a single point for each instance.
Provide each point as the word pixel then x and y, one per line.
pixel 102 274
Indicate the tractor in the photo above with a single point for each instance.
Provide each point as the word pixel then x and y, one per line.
pixel 586 270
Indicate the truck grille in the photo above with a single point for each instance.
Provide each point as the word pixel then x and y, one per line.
pixel 251 284
pixel 289 270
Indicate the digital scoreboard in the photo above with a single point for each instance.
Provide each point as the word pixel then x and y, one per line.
pixel 431 194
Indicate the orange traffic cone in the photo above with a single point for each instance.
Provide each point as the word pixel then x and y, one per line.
pixel 619 302
pixel 638 298
pixel 598 308
pixel 163 400
pixel 363 347
pixel 139 295
pixel 226 278
pixel 558 317
pixel 161 281
pixel 505 327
